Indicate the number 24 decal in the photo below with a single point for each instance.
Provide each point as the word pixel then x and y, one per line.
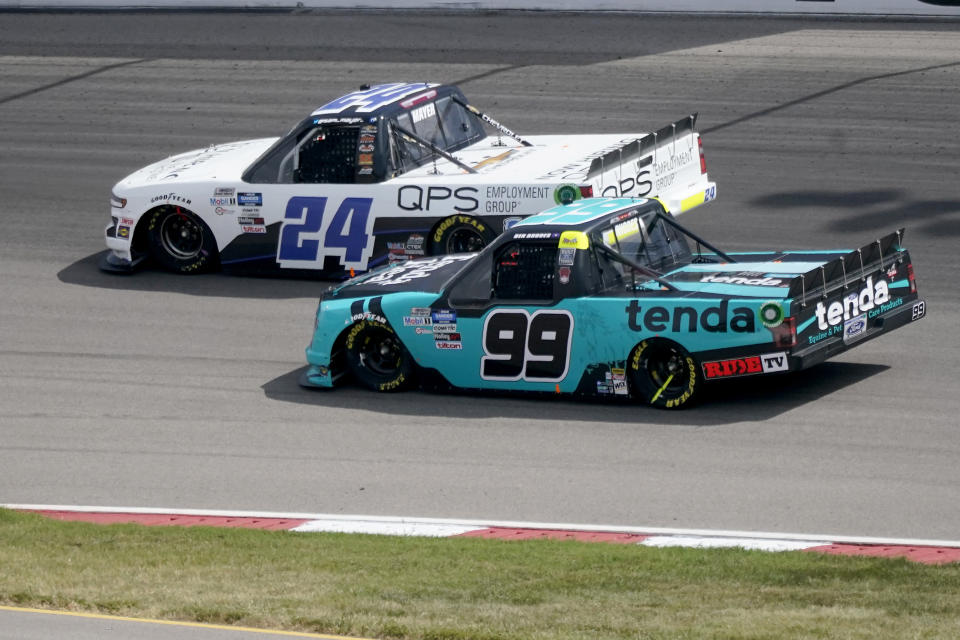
pixel 308 237
pixel 533 347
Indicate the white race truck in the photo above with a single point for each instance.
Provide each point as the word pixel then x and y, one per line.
pixel 380 175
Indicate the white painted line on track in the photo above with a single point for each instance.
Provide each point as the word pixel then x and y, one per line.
pixel 180 623
pixel 410 523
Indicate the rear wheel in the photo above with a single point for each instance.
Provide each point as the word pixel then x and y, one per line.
pixel 377 358
pixel 460 234
pixel 180 241
pixel 664 374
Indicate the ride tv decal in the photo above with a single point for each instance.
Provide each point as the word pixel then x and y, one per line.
pixel 734 367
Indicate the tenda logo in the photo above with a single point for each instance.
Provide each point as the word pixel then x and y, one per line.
pixel 853 305
pixel 760 281
pixel 715 319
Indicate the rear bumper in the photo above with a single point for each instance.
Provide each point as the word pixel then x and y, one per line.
pixel 833 345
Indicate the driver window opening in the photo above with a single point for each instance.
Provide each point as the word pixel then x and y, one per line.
pixel 525 271
pixel 329 155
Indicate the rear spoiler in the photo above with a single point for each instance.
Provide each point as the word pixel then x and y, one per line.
pixel 638 148
pixel 852 267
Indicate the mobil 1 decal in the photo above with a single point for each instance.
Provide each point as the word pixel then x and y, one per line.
pixel 518 345
pixel 315 228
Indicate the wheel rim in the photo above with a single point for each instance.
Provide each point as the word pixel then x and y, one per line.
pixel 465 241
pixel 181 236
pixel 668 371
pixel 382 354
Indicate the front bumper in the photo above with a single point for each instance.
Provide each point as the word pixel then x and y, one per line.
pixel 119 257
pixel 316 377
pixel 113 263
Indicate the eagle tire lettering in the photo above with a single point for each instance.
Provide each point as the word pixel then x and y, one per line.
pixel 664 375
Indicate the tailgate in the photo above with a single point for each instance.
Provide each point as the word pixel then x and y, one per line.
pixel 667 164
pixel 855 297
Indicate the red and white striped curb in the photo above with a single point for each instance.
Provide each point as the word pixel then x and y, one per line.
pixel 923 551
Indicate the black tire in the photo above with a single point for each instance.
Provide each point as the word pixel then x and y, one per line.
pixel 180 241
pixel 377 358
pixel 460 234
pixel 664 374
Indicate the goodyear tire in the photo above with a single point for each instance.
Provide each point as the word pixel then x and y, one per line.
pixel 460 234
pixel 664 374
pixel 376 357
pixel 180 241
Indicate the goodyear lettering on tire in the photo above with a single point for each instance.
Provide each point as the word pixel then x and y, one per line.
pixel 452 220
pixel 691 386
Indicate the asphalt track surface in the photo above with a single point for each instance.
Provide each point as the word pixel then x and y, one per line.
pixel 163 391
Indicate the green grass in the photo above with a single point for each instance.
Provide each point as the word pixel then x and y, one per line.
pixel 463 588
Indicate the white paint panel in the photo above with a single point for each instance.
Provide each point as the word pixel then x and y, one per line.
pixel 757 544
pixel 385 528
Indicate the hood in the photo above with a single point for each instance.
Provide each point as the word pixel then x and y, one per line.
pixel 740 279
pixel 223 162
pixel 426 275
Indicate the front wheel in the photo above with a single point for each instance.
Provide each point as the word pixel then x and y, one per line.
pixel 664 374
pixel 377 358
pixel 180 241
pixel 460 234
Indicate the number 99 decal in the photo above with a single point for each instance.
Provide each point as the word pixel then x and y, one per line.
pixel 518 345
pixel 919 310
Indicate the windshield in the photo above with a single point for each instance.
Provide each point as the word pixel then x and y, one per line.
pixel 444 124
pixel 635 247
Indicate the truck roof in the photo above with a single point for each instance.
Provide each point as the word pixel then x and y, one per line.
pixel 580 215
pixel 383 99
